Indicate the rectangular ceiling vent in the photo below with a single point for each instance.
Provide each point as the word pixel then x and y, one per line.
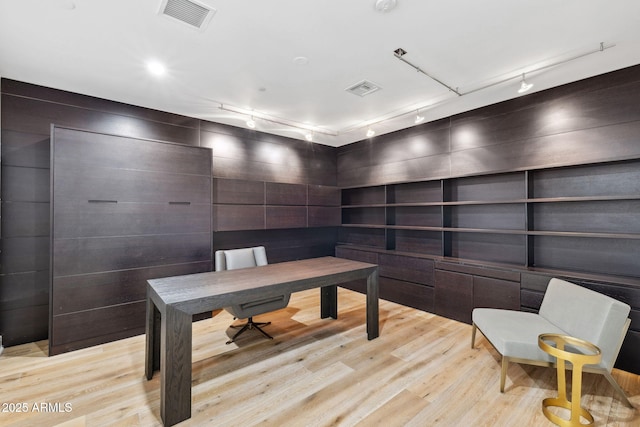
pixel 363 88
pixel 194 14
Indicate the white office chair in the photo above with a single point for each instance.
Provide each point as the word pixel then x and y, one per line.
pixel 246 258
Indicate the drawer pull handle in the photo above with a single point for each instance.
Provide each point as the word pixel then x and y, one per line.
pixel 103 201
pixel 179 203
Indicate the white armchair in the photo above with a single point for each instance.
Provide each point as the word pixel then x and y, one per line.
pixel 566 309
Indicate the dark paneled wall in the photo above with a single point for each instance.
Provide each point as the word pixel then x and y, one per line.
pixel 27 114
pixel 592 120
pixel 577 146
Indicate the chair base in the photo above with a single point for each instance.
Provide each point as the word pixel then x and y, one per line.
pixel 250 325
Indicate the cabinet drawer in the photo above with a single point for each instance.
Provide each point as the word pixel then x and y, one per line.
pixel 407 293
pixel 410 269
pixel 356 255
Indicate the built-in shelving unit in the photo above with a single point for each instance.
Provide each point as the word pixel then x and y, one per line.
pixel 584 218
pixel 449 245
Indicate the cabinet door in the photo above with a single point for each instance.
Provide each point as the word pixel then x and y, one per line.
pixel 454 295
pixel 496 293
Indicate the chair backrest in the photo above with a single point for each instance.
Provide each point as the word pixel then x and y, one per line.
pixel 240 258
pixel 589 315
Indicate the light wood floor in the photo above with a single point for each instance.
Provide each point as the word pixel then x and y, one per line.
pixel 421 371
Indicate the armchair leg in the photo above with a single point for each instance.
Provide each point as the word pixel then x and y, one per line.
pixel 503 373
pixel 618 389
pixel 473 335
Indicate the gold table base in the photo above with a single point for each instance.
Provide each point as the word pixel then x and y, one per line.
pixel 577 360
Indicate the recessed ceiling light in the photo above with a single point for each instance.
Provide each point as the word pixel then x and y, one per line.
pixel 251 123
pixel 385 5
pixel 156 68
pixel 301 60
pixel 419 118
pixel 308 136
pixel 67 4
pixel 370 133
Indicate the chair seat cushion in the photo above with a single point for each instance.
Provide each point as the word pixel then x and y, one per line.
pixel 514 333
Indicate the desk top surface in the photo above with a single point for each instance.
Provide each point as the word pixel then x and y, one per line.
pixel 295 275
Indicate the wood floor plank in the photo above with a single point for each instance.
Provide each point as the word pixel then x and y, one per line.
pixel 421 371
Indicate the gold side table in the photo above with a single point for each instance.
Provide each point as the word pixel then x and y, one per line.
pixel 577 360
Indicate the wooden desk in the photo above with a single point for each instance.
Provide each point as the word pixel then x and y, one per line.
pixel 172 301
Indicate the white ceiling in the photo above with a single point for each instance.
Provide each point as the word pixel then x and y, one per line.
pixel 244 59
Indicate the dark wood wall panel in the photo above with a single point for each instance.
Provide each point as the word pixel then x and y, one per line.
pixel 106 151
pixel 278 193
pixel 286 217
pixel 21 149
pixel 85 328
pixel 238 192
pixel 27 114
pixel 548 113
pixel 83 256
pixel 84 219
pixel 607 143
pixel 323 195
pixel 91 291
pixel 20 219
pixel 432 167
pixel 43 93
pixel 24 184
pixel 282 245
pixel 251 155
pixel 24 254
pixel 592 120
pixel 324 216
pixel 238 217
pixel 130 185
pixel 36 116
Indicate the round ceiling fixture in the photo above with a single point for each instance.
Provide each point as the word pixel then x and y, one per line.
pixel 301 60
pixel 385 5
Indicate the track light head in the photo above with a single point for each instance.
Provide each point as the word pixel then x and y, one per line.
pixel 524 86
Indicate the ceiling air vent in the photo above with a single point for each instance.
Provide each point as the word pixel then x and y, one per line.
pixel 363 88
pixel 192 13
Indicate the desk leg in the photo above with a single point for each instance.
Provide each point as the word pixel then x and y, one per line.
pixel 175 367
pixel 372 306
pixel 152 351
pixel 329 302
